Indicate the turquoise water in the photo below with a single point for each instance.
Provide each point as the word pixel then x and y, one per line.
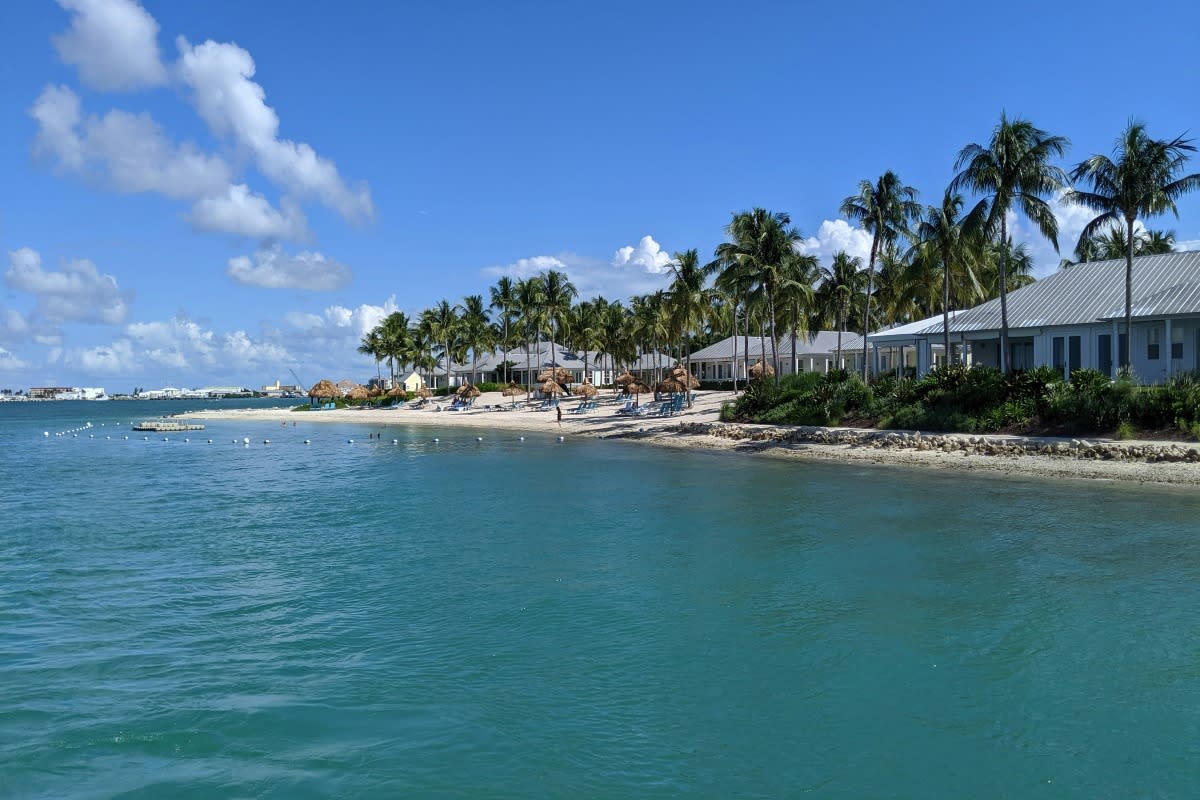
pixel 593 619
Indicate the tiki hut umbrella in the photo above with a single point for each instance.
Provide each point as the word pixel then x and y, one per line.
pixel 424 392
pixel 358 393
pixel 558 374
pixel 636 387
pixel 586 389
pixel 375 391
pixel 397 391
pixel 624 379
pixel 325 388
pixel 672 385
pixel 759 369
pixel 551 387
pixel 513 389
pixel 467 390
pixel 681 374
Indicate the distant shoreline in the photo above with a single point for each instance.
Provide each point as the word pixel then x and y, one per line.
pixel 1088 459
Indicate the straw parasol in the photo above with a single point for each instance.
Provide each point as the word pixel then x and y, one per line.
pixel 557 374
pixel 467 390
pixel 680 373
pixel 324 388
pixel 358 393
pixel 759 369
pixel 424 392
pixel 586 389
pixel 514 390
pixel 397 391
pixel 550 387
pixel 624 379
pixel 672 385
pixel 635 387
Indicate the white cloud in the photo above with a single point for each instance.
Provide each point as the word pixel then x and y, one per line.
pixel 243 353
pixel 1187 244
pixel 593 277
pixel 113 43
pixel 9 361
pixel 76 293
pixel 113 359
pixel 125 152
pixel 272 268
pixel 646 255
pixel 241 212
pixel 233 105
pixel 838 236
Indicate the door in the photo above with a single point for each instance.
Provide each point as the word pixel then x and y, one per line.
pixel 1104 353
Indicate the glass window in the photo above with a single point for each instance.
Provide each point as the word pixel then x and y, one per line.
pixel 1153 339
pixel 1059 359
pixel 1074 352
pixel 1176 342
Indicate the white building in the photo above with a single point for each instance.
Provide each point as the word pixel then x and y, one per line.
pixel 734 355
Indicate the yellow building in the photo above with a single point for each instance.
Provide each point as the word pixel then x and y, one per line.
pixel 413 382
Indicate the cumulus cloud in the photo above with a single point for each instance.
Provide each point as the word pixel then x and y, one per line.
pixel 837 236
pixel 646 255
pixel 272 268
pixel 1072 218
pixel 631 271
pixel 1187 244
pixel 77 292
pixel 241 212
pixel 233 105
pixel 110 359
pixel 9 361
pixel 113 43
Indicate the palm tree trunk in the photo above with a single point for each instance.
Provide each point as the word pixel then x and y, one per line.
pixel 1004 365
pixel 867 305
pixel 841 323
pixel 1129 294
pixel 733 357
pixel 505 354
pixel 946 307
pixel 795 316
pixel 746 343
pixel 774 341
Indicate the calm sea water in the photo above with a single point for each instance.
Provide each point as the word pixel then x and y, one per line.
pixel 592 619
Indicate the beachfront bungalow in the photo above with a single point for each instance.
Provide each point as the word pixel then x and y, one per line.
pixel 525 362
pixel 1075 318
pixel 734 355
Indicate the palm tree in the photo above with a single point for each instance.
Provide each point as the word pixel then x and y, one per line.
pixel 1019 268
pixel 1143 178
pixel 477 331
pixel 394 338
pixel 1113 244
pixel 372 345
pixel 688 299
pixel 843 282
pixel 733 282
pixel 884 209
pixel 557 294
pixel 530 305
pixel 1014 170
pixel 584 325
pixel 504 297
pixel 800 272
pixel 762 242
pixel 945 238
pixel 616 336
pixel 444 326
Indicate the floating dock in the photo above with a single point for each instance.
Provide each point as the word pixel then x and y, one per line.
pixel 168 425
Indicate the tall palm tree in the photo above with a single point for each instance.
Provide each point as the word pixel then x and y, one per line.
pixel 1143 178
pixel 557 294
pixel 1012 172
pixel 843 282
pixel 761 244
pixel 1113 244
pixel 734 282
pixel 1019 269
pixel 797 296
pixel 371 344
pixel 444 326
pixel 616 335
pixel 504 298
pixel 949 240
pixel 884 209
pixel 584 325
pixel 532 310
pixel 477 331
pixel 688 299
pixel 394 336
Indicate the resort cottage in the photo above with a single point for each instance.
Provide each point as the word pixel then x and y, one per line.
pixel 734 355
pixel 1072 319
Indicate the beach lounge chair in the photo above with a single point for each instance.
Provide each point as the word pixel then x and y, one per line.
pixel 628 408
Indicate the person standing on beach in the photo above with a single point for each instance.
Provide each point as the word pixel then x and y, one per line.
pixel 559 410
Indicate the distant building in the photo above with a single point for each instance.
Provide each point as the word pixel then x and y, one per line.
pixel 48 392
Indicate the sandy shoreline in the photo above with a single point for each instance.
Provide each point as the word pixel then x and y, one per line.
pixel 699 427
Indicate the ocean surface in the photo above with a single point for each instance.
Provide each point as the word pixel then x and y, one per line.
pixel 586 619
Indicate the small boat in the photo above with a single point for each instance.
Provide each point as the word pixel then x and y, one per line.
pixel 168 425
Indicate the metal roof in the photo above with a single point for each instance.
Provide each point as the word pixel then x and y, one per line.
pixel 1163 285
pixel 817 343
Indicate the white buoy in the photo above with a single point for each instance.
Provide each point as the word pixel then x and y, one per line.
pixel 306 441
pixel 521 438
pixel 107 437
pixel 349 441
pixel 210 441
pixel 395 441
pixel 45 433
pixel 266 441
pixel 245 440
pixel 479 438
pixel 145 438
pixel 562 438
pixel 165 439
pixel 91 436
pixel 186 439
pixel 74 435
pixel 436 439
pixel 127 438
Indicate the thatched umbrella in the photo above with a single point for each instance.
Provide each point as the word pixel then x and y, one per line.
pixel 375 391
pixel 325 388
pixel 635 387
pixel 467 390
pixel 680 373
pixel 672 385
pixel 397 391
pixel 358 393
pixel 759 369
pixel 551 387
pixel 586 389
pixel 513 390
pixel 557 374
pixel 624 378
pixel 424 392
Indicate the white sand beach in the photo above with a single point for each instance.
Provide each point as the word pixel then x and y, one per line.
pixel 1137 461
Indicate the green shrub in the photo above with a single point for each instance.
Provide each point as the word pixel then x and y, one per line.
pixel 1125 430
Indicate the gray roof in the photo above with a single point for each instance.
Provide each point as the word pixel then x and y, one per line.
pixel 529 357
pixel 817 343
pixel 1164 285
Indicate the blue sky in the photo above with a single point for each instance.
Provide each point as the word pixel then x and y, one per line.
pixel 216 193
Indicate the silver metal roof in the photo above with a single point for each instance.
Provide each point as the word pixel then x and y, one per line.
pixel 817 343
pixel 1164 285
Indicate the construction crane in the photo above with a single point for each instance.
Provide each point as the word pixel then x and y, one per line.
pixel 299 383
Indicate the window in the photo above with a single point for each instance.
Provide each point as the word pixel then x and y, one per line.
pixel 1177 342
pixel 1153 339
pixel 1058 360
pixel 1074 353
